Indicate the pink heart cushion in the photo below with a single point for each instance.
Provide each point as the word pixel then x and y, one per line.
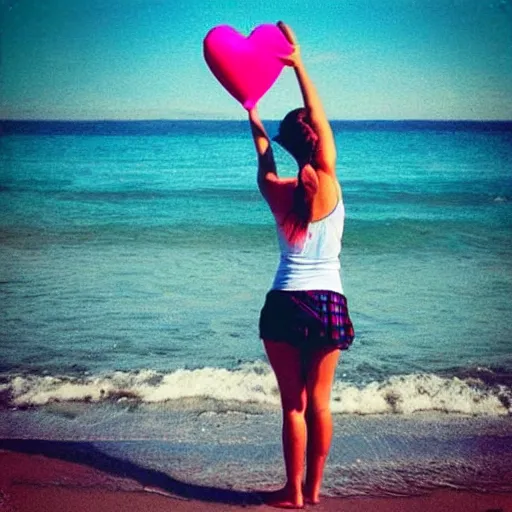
pixel 246 66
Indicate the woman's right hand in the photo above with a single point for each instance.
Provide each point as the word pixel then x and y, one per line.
pixel 294 58
pixel 288 32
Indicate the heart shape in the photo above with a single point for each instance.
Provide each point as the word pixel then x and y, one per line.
pixel 246 66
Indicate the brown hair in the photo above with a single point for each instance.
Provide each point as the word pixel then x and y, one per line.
pixel 296 222
pixel 296 135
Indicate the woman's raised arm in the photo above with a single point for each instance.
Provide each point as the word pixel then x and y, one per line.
pixel 266 163
pixel 326 149
pixel 270 185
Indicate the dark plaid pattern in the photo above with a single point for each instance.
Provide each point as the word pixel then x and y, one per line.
pixel 314 318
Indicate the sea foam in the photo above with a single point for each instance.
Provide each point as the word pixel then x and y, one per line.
pixel 255 384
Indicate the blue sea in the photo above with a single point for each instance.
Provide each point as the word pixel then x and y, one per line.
pixel 134 261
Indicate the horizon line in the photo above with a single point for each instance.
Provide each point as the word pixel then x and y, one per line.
pixel 187 119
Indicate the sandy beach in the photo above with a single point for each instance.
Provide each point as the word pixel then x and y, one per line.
pixel 54 482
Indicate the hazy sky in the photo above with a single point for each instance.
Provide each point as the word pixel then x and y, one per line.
pixel 142 59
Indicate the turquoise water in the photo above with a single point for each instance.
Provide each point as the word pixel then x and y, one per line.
pixel 130 252
pixel 134 260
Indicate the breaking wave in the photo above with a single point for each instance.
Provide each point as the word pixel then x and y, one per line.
pixel 254 384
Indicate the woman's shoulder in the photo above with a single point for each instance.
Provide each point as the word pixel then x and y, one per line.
pixel 327 197
pixel 279 194
pixel 328 184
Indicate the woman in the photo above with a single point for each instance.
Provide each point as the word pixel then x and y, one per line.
pixel 304 323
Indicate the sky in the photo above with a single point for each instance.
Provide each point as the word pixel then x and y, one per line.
pixel 143 59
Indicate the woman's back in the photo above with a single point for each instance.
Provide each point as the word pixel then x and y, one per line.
pixel 312 262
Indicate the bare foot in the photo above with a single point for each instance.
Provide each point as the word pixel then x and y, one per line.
pixel 311 498
pixel 282 498
pixel 311 501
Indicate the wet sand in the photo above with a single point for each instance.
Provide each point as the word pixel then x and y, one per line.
pixel 51 483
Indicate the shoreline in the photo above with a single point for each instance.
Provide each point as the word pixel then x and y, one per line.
pixel 203 455
pixel 59 485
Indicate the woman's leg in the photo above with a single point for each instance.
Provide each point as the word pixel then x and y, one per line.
pixel 286 363
pixel 320 375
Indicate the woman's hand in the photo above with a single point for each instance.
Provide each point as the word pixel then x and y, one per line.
pixel 288 32
pixel 294 59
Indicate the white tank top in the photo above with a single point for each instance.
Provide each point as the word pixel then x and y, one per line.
pixel 315 265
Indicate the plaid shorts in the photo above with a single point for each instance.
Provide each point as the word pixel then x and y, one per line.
pixel 311 319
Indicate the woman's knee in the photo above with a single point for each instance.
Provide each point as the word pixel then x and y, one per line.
pixel 294 405
pixel 318 405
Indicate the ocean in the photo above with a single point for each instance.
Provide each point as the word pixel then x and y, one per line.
pixel 134 261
